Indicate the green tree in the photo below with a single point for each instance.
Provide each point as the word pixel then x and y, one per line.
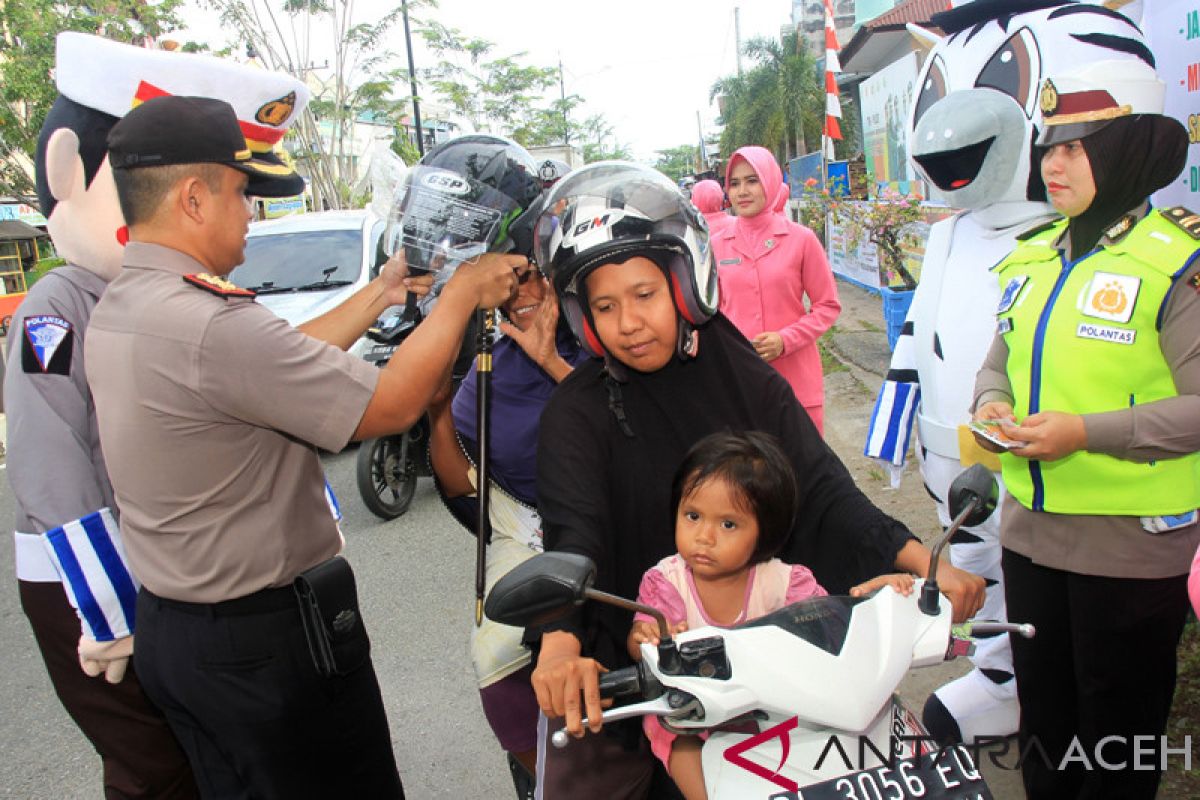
pixel 27 37
pixel 778 103
pixel 600 142
pixel 675 162
pixel 494 94
pixel 552 125
pixel 354 80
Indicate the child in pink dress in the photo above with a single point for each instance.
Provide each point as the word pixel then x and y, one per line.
pixel 735 496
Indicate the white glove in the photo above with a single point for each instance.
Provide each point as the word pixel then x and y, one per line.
pixel 111 658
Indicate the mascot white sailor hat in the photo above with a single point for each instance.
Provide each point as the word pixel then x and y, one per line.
pixel 266 103
pixel 1081 101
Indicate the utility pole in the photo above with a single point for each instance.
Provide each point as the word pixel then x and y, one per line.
pixel 737 37
pixel 701 154
pixel 412 81
pixel 562 95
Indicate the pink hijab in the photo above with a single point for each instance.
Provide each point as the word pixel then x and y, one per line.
pixel 752 229
pixel 707 196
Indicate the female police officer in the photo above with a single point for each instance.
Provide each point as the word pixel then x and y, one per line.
pixel 1095 355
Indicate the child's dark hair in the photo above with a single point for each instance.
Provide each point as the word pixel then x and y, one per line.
pixel 754 464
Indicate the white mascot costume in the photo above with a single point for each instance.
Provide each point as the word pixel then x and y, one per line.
pixel 75 586
pixel 971 128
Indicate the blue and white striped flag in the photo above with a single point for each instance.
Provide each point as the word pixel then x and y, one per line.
pixel 335 508
pixel 90 559
pixel 892 421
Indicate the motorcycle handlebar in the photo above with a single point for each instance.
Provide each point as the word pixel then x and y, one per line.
pixel 621 683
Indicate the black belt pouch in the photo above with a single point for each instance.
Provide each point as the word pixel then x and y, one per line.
pixel 332 622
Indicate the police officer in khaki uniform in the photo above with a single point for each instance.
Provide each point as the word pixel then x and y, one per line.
pixel 1096 357
pixel 211 412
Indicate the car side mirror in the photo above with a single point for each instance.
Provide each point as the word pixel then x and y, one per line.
pixel 381 255
pixel 541 590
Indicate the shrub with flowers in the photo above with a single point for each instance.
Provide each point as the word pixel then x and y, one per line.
pixel 886 222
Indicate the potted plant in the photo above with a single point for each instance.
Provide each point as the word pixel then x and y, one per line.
pixel 887 223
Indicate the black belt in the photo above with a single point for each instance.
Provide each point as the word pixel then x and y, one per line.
pixel 261 602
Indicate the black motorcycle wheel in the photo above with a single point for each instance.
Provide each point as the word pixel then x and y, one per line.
pixel 387 473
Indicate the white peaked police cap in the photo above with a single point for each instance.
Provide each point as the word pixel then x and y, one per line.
pixel 113 78
pixel 1081 101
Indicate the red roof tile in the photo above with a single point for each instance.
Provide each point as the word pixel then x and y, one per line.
pixel 918 11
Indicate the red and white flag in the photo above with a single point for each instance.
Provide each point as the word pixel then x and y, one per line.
pixel 833 104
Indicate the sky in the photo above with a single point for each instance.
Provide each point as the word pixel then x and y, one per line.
pixel 646 65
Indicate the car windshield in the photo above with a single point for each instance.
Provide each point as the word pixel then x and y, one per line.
pixel 301 261
pixel 820 621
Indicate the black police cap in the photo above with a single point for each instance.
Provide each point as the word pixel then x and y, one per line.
pixel 196 130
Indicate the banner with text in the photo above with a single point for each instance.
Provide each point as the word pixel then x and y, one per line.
pixel 885 98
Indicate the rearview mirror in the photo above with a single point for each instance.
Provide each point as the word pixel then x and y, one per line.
pixel 976 482
pixel 973 496
pixel 545 588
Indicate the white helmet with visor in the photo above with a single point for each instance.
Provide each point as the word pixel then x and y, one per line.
pixel 609 212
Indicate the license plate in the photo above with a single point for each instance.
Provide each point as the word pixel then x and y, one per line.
pixel 380 352
pixel 941 775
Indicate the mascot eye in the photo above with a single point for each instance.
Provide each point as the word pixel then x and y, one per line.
pixel 1014 69
pixel 933 88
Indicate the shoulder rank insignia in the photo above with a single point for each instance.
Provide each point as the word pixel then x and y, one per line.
pixel 46 346
pixel 1188 221
pixel 218 286
pixel 1034 231
pixel 1194 281
pixel 1118 229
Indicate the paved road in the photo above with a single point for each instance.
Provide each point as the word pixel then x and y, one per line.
pixel 415 578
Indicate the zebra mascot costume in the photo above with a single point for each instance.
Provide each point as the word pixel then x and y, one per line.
pixel 971 130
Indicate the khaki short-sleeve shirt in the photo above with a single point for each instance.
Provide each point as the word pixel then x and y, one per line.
pixel 211 410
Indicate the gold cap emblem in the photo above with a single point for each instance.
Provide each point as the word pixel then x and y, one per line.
pixel 1048 100
pixel 276 112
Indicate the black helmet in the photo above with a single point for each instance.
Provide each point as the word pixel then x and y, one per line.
pixel 611 211
pixel 460 199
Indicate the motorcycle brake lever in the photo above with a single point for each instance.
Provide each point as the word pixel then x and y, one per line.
pixel 985 627
pixel 658 707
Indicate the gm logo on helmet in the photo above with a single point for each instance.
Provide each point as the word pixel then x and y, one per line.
pixel 446 182
pixel 594 222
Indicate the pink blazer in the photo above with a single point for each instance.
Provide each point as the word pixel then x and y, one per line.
pixel 764 291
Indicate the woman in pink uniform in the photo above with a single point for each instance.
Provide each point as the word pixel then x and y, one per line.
pixel 766 264
pixel 709 199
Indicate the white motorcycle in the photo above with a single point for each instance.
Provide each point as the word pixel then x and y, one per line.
pixel 800 703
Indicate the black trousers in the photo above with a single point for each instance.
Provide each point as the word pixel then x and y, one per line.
pixel 238 686
pixel 601 765
pixel 1101 665
pixel 140 757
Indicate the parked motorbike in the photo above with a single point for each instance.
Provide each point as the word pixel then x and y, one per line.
pixel 799 704
pixel 388 466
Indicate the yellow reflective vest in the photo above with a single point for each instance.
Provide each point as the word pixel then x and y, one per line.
pixel 1083 337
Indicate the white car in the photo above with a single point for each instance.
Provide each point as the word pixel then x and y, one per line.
pixel 304 265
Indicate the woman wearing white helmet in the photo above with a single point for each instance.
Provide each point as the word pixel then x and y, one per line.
pixel 629 258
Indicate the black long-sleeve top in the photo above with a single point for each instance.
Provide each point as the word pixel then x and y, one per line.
pixel 606 495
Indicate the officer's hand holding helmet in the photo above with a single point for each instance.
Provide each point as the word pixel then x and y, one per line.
pixel 462 201
pixel 608 212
